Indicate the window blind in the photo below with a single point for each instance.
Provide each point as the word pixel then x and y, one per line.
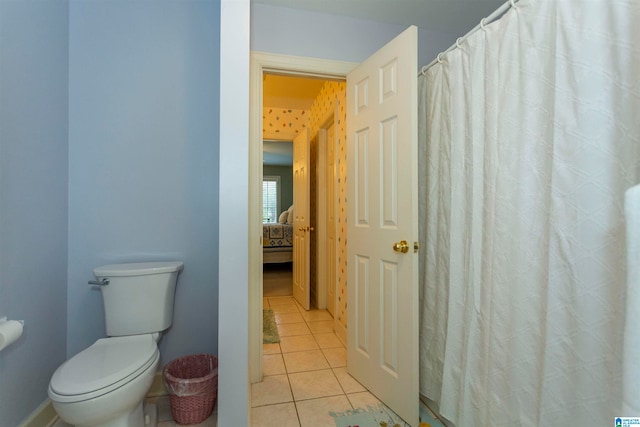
pixel 270 198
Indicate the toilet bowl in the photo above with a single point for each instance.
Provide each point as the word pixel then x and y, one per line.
pixel 105 384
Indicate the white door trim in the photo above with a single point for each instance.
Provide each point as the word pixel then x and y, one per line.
pixel 321 219
pixel 322 212
pixel 260 62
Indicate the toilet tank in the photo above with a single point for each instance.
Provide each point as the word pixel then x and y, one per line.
pixel 139 296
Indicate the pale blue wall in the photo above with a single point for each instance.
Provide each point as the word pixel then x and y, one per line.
pixel 303 33
pixel 109 120
pixel 143 157
pixel 33 198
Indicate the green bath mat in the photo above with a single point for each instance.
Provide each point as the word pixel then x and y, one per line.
pixel 269 329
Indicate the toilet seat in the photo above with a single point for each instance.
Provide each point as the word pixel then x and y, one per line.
pixel 103 367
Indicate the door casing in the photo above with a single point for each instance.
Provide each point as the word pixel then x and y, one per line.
pixel 325 214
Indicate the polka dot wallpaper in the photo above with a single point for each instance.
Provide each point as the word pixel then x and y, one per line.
pixel 283 123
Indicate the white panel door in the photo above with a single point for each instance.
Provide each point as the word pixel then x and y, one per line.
pixel 382 335
pixel 301 226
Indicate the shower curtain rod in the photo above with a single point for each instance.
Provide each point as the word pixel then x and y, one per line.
pixel 483 22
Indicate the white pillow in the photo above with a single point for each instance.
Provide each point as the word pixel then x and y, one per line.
pixel 290 217
pixel 283 217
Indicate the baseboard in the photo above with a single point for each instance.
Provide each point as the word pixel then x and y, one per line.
pixel 157 387
pixel 45 415
pixel 341 331
pixel 432 410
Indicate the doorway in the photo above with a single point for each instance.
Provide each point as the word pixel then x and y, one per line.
pixel 381 108
pixel 271 63
pixel 293 107
pixel 277 199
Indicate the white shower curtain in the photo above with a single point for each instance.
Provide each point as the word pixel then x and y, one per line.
pixel 531 135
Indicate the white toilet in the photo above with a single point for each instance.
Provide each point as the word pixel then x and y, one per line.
pixel 105 384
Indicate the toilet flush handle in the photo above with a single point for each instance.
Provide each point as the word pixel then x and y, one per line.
pixel 103 282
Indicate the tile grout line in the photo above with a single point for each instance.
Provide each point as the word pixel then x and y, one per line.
pixel 294 401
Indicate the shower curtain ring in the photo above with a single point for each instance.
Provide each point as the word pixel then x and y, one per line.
pixel 424 70
pixel 440 58
pixel 513 3
pixel 459 42
pixel 482 25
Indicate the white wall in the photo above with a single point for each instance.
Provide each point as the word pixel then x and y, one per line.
pixel 143 157
pixel 33 197
pixel 233 378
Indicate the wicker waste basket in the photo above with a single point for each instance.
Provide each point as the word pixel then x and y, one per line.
pixel 192 382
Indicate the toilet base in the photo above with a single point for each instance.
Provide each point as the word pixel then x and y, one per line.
pixel 122 408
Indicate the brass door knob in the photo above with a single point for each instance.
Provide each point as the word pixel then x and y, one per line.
pixel 401 246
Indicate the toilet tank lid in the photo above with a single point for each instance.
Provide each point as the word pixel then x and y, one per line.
pixel 138 268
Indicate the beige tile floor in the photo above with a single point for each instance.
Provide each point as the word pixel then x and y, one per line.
pixel 305 375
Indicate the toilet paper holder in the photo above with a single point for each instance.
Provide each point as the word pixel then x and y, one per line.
pixel 4 319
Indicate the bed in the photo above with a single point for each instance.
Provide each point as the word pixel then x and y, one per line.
pixel 277 243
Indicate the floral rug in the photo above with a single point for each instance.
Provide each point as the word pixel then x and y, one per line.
pixel 370 417
pixel 379 416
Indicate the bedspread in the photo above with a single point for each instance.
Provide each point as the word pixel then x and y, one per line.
pixel 277 235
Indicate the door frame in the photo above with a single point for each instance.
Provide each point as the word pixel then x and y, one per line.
pixel 322 218
pixel 283 64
